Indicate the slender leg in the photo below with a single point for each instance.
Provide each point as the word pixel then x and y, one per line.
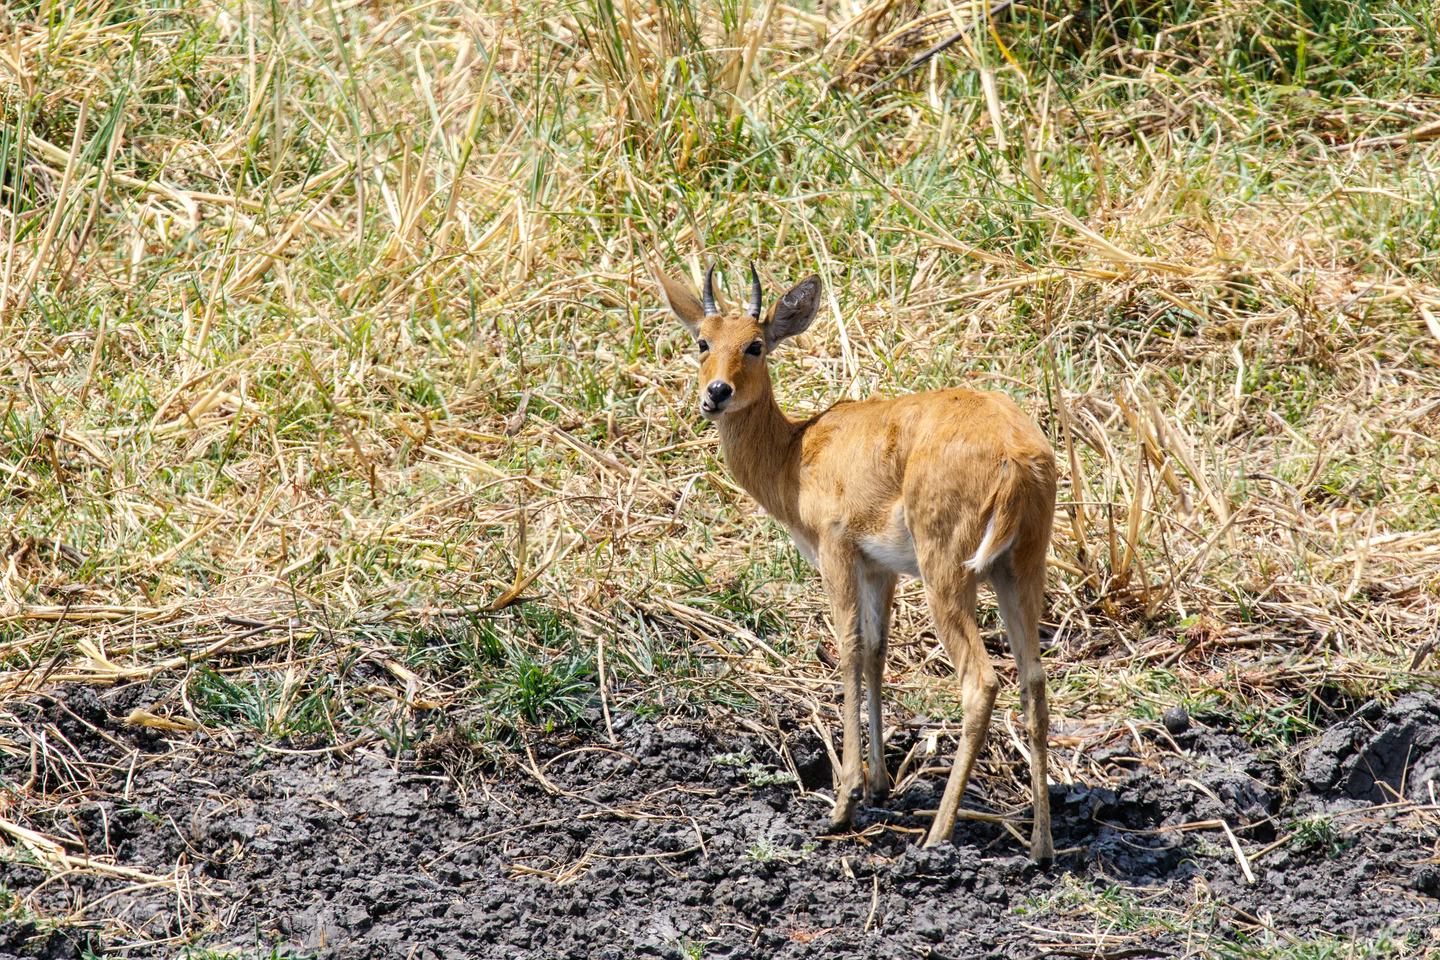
pixel 877 593
pixel 950 590
pixel 838 570
pixel 1022 601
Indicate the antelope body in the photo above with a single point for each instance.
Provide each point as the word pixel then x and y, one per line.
pixel 951 486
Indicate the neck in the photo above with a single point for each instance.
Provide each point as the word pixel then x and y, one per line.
pixel 757 441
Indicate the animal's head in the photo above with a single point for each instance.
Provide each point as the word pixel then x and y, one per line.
pixel 735 345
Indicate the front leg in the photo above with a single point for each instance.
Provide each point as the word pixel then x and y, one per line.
pixel 838 570
pixel 877 593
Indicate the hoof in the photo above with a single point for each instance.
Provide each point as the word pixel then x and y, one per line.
pixel 845 804
pixel 1042 851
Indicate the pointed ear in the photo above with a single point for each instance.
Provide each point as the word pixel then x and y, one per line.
pixel 793 312
pixel 684 304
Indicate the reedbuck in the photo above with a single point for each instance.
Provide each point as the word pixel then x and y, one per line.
pixel 951 486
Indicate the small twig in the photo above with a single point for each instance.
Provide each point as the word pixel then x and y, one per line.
pixel 1239 854
pixel 874 901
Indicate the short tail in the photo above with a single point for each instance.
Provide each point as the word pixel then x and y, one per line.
pixel 1005 510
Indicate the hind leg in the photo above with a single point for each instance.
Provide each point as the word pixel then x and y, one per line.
pixel 877 593
pixel 1021 597
pixel 950 590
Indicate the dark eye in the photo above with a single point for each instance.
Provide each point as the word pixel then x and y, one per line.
pixel 755 349
pixel 704 346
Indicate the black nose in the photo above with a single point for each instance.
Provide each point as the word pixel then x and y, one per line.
pixel 719 391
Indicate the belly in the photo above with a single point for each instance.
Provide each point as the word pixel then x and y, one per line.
pixel 805 545
pixel 892 547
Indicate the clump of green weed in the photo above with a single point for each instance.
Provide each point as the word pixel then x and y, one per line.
pixel 524 669
pixel 1269 946
pixel 269 702
pixel 763 775
pixel 1319 833
pixel 767 851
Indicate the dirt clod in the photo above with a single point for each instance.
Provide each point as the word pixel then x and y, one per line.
pixel 1176 720
pixel 1380 754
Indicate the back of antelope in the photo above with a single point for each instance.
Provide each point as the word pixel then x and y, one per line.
pixel 951 486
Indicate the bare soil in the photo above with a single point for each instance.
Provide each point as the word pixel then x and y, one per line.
pixel 686 838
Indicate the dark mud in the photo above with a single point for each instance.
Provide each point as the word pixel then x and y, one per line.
pixel 685 839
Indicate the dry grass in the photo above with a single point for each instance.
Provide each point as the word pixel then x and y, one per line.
pixel 335 377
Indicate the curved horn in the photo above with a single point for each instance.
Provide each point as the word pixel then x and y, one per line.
pixel 709 296
pixel 754 292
